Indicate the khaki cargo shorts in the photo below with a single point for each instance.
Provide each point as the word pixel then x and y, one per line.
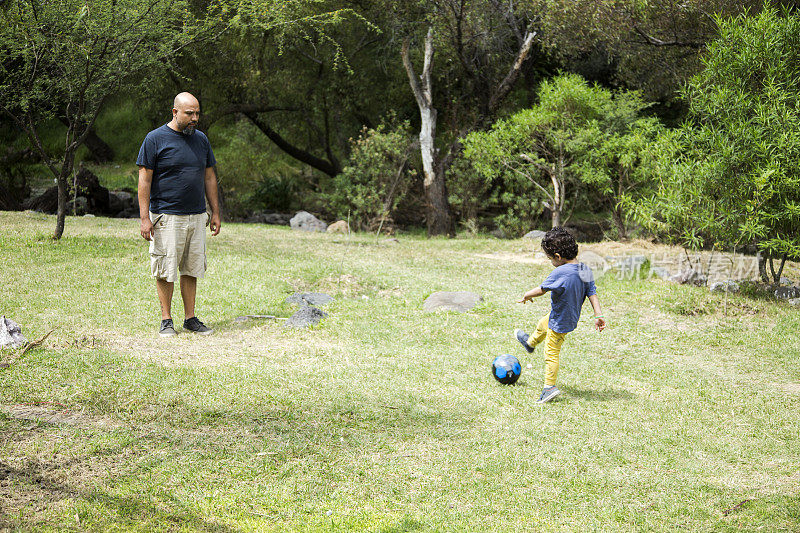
pixel 178 246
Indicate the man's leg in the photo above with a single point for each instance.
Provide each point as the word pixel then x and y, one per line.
pixel 164 289
pixel 188 293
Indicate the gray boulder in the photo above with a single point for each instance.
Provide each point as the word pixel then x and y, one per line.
pixel 451 301
pixel 305 221
pixel 306 316
pixel 498 234
pixel 794 302
pixel 660 272
pixel 310 298
pixel 689 276
pixel 785 282
pixel 10 334
pixel 724 286
pixel 787 293
pixel 535 234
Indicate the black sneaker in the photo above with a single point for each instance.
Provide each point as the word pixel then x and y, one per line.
pixel 167 329
pixel 195 326
pixel 523 337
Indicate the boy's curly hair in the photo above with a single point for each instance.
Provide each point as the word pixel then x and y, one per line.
pixel 559 241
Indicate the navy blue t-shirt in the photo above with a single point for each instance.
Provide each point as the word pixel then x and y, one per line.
pixel 569 285
pixel 179 165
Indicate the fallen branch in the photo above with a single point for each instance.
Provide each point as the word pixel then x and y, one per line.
pixel 30 346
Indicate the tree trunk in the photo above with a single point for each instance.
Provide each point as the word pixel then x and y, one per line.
pixel 619 221
pixel 555 217
pixel 63 193
pixel 438 217
pixel 61 213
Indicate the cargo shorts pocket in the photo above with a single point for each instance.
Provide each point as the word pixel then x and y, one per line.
pixel 159 267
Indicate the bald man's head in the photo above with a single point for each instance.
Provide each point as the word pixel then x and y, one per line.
pixel 185 113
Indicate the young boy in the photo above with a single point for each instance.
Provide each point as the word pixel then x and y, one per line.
pixel 569 285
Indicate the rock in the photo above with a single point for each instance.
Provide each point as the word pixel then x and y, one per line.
pixel 81 206
pixel 88 215
pixel 306 316
pixel 535 234
pixel 794 302
pixel 785 282
pixel 689 276
pixel 119 201
pixel 89 188
pixel 724 286
pixel 498 234
pixel 661 272
pixel 451 301
pixel 310 298
pixel 305 221
pixel 10 334
pixel 242 318
pixel 277 219
pixel 787 293
pixel 340 226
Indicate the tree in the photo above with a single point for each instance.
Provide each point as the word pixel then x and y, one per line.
pixel 616 158
pixel 461 22
pixel 651 46
pixel 736 180
pixel 64 59
pixel 541 146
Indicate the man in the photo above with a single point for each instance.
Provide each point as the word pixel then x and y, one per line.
pixel 176 175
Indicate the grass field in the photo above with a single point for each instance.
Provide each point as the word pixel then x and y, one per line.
pixel 682 415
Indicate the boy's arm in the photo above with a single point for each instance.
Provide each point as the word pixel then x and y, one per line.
pixel 599 321
pixel 531 294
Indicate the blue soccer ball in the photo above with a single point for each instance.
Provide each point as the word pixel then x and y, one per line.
pixel 506 369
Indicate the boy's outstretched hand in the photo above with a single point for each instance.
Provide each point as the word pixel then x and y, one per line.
pixel 599 323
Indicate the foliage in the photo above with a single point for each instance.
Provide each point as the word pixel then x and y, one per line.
pixel 737 179
pixel 376 178
pixel 65 59
pixel 651 46
pixel 252 173
pixel 546 154
pixel 617 158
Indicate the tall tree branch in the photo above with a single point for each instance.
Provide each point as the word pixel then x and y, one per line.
pixel 331 168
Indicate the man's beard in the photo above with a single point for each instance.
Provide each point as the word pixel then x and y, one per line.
pixel 188 130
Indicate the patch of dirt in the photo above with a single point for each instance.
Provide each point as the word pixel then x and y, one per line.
pixel 527 258
pixel 791 388
pixel 57 416
pixel 344 285
pixel 246 346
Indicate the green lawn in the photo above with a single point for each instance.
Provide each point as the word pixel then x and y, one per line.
pixel 383 418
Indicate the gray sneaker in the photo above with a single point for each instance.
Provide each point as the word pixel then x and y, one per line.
pixel 167 329
pixel 523 337
pixel 195 326
pixel 548 393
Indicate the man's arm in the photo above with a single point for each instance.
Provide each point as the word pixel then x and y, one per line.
pixel 531 294
pixel 145 181
pixel 212 193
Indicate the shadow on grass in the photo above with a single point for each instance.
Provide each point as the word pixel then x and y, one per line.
pixel 601 395
pixel 128 512
pixel 406 525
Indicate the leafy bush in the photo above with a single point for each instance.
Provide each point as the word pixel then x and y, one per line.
pixel 579 138
pixel 252 173
pixel 376 179
pixel 734 179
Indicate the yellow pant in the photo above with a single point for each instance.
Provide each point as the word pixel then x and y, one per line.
pixel 552 347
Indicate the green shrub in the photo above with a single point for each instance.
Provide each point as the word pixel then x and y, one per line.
pixel 376 178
